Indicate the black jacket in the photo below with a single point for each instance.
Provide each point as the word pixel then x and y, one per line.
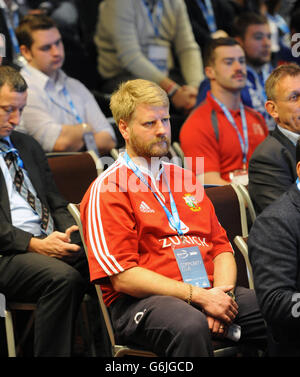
pixel 274 251
pixel 272 169
pixel 12 239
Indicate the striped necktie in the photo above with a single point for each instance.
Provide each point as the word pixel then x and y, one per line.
pixel 14 165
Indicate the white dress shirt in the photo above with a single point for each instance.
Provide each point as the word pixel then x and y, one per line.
pixel 48 109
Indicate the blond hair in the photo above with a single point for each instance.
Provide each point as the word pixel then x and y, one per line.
pixel 278 74
pixel 131 93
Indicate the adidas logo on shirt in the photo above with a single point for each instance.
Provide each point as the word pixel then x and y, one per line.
pixel 145 208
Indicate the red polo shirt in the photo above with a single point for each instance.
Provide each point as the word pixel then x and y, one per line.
pixel 198 139
pixel 125 225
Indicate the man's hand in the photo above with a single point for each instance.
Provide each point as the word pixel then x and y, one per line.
pixel 217 328
pixel 217 304
pixel 57 244
pixel 185 97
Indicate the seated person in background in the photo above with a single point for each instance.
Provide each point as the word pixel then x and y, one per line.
pixel 252 31
pixel 60 110
pixel 279 29
pixel 66 17
pixel 274 254
pixel 129 230
pixel 210 19
pixel 272 167
pixel 137 39
pixel 9 20
pixel 41 258
pixel 222 129
pixel 11 11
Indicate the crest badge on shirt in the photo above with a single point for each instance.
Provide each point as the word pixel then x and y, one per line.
pixel 192 202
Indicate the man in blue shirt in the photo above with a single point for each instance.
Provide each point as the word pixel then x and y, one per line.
pixel 60 110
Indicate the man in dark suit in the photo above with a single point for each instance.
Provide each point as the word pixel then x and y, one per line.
pixel 41 259
pixel 274 255
pixel 272 167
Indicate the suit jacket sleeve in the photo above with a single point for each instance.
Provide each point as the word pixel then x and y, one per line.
pixel 271 173
pixel 274 255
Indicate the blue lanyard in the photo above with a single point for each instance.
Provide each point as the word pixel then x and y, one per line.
pixel 244 144
pixel 12 32
pixel 12 149
pixel 173 217
pixel 73 111
pixel 208 14
pixel 260 81
pixel 280 22
pixel 298 184
pixel 159 13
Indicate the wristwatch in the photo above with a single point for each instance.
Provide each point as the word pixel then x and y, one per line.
pixel 231 294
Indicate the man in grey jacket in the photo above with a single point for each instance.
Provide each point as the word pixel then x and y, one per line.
pixel 137 38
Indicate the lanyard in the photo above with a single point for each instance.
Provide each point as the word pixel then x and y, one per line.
pixel 260 81
pixel 71 104
pixel 88 137
pixel 10 149
pixel 298 183
pixel 173 217
pixel 208 14
pixel 280 22
pixel 12 31
pixel 244 144
pixel 159 13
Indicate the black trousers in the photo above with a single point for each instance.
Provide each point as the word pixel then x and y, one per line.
pixel 170 327
pixel 57 288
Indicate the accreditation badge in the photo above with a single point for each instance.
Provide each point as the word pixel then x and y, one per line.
pixel 158 55
pixel 191 266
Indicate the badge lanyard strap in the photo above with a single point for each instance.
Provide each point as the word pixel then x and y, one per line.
pixel 13 150
pixel 159 12
pixel 172 217
pixel 244 145
pixel 298 183
pixel 12 32
pixel 71 104
pixel 259 85
pixel 208 14
pixel 280 22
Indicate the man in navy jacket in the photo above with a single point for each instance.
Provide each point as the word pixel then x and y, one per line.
pixel 274 254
